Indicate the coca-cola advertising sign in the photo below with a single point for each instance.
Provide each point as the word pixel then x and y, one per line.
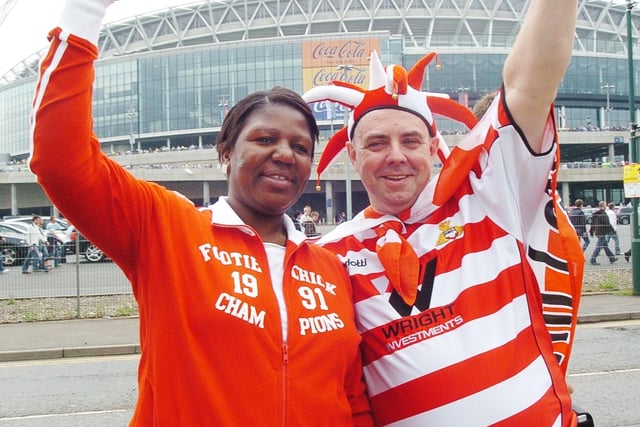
pixel 328 60
pixel 335 52
pixel 327 110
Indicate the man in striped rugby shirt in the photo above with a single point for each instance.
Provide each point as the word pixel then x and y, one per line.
pixel 466 282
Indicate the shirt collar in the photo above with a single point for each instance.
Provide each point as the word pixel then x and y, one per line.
pixel 222 214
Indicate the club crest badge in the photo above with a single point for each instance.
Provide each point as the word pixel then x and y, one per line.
pixel 448 232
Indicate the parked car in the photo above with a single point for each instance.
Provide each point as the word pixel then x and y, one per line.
pixel 88 250
pixel 624 214
pixel 13 246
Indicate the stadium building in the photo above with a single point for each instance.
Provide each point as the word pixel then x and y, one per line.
pixel 165 81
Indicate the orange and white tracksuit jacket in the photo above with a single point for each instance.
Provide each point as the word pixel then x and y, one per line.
pixel 211 331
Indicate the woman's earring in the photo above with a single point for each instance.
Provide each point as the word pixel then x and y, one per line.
pixel 225 168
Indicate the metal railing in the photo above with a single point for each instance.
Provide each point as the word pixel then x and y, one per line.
pixel 83 289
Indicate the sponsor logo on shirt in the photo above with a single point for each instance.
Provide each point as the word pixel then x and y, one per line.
pixel 410 330
pixel 423 295
pixel 361 262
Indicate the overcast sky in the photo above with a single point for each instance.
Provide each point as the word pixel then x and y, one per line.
pixel 25 30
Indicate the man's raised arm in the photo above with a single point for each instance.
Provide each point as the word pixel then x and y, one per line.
pixel 538 60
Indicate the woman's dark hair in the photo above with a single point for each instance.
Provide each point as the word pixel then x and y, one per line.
pixel 235 119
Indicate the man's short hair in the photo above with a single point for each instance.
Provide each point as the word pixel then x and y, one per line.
pixel 483 104
pixel 579 203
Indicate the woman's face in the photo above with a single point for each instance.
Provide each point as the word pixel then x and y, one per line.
pixel 270 163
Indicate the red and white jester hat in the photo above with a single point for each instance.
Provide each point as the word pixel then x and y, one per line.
pixel 390 87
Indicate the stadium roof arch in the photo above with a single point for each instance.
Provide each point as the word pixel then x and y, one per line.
pixel 443 25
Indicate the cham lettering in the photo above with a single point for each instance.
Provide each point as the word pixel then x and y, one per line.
pixel 240 309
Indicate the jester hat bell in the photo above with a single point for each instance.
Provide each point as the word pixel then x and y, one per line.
pixel 390 87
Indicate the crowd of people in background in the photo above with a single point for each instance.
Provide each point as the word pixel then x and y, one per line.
pixel 308 221
pixel 51 246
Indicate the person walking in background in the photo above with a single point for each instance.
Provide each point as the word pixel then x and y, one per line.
pixel 453 274
pixel 613 221
pixel 56 238
pixel 2 269
pixel 579 221
pixel 37 253
pixel 601 228
pixel 252 324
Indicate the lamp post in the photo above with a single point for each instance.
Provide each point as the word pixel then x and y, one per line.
pixel 131 115
pixel 607 88
pixel 347 169
pixel 223 104
pixel 633 153
pixel 463 96
pixel 330 111
pixel 329 205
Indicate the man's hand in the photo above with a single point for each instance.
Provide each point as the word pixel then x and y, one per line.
pixel 84 17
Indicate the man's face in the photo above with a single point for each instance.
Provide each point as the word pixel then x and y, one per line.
pixel 393 153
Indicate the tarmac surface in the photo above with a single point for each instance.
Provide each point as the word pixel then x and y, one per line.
pixel 117 336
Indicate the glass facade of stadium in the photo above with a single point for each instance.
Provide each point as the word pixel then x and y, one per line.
pixel 150 104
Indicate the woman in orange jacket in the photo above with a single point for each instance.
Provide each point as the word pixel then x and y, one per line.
pixel 245 327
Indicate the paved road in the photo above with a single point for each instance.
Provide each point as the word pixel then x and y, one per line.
pixel 68 280
pixel 91 391
pixel 605 372
pixel 101 391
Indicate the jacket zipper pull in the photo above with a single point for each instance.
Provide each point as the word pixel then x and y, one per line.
pixel 285 353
